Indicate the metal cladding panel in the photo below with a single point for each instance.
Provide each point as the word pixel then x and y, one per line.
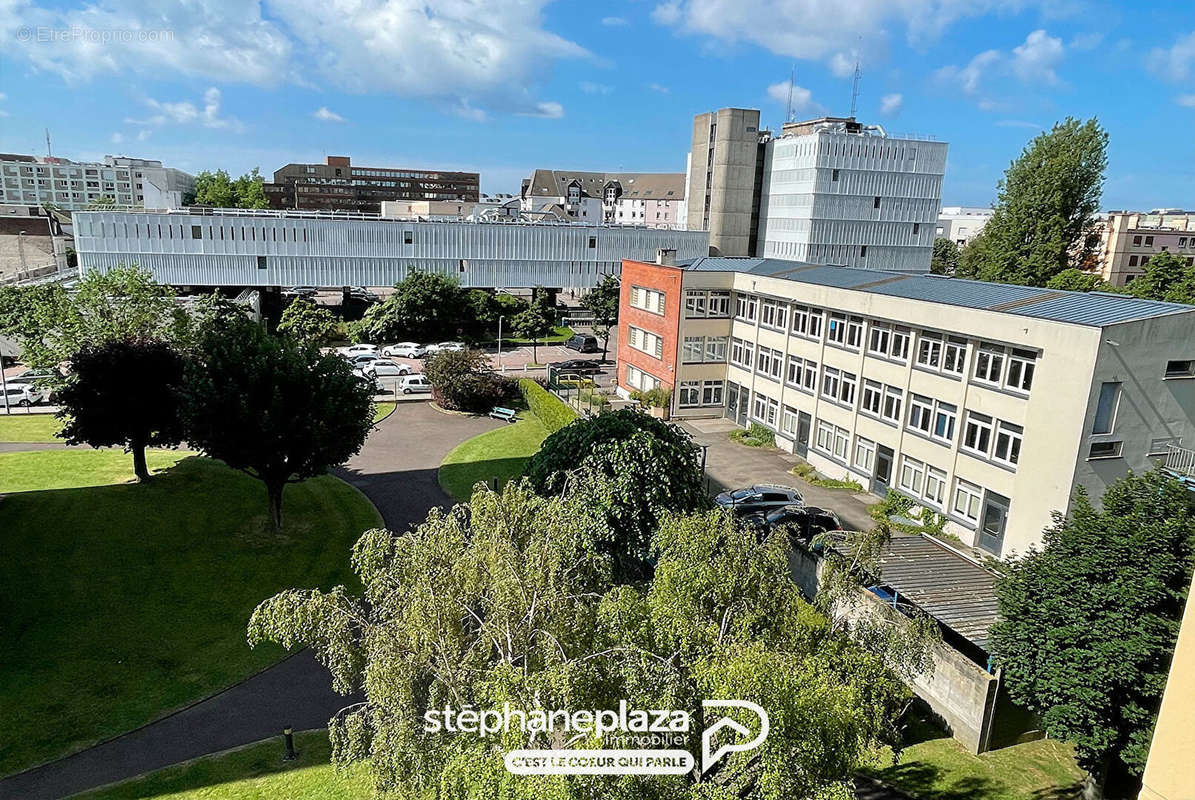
pixel 1098 309
pixel 223 249
pixel 972 294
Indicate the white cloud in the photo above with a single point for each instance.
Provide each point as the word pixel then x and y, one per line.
pixel 826 29
pixel 545 110
pixel 614 22
pixel 187 113
pixel 971 76
pixel 117 137
pixel 657 87
pixel 1177 62
pixel 890 103
pixel 144 134
pixel 802 97
pixel 1018 123
pixel 589 87
pixel 461 53
pixel 1187 100
pixel 1035 59
pixel 325 115
pixel 3 113
pixel 1086 41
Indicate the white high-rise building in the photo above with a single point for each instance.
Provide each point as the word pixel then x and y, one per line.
pixel 838 192
pixel 71 186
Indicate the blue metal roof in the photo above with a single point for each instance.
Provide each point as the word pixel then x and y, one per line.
pixel 1080 308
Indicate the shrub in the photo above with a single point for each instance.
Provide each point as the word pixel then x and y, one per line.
pixel 658 397
pixel 755 436
pixel 807 473
pixel 463 381
pixel 550 410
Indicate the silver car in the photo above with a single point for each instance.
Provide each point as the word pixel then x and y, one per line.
pixel 405 350
pixel 23 394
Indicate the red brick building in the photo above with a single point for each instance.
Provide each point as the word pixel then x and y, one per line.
pixel 649 323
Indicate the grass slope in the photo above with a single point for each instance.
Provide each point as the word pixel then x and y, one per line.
pixel 256 772
pixel 499 453
pixel 40 470
pixel 124 602
pixel 382 410
pixel 29 428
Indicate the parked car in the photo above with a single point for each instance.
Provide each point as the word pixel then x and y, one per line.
pixel 442 347
pixel 35 375
pixel 362 294
pixel 578 366
pixel 760 497
pixel 23 394
pixel 405 350
pixel 413 384
pixel 805 521
pixel 583 343
pixel 358 349
pixel 300 291
pixel 385 369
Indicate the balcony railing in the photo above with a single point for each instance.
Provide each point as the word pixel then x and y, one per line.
pixel 1180 461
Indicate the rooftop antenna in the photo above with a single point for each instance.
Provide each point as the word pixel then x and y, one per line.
pixel 49 152
pixel 855 88
pixel 788 111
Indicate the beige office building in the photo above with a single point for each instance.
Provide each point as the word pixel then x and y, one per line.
pixel 1129 239
pixel 725 174
pixel 988 403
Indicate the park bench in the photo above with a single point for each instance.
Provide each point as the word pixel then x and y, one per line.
pixel 505 414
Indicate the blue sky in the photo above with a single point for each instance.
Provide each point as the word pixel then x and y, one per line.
pixel 505 86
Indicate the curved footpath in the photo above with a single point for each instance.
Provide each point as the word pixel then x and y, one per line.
pixel 397 471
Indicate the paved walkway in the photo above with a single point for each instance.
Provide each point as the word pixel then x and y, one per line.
pixel 730 465
pixel 397 471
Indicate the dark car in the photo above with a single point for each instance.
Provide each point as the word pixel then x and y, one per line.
pixel 300 291
pixel 577 366
pixel 761 497
pixel 805 521
pixel 583 343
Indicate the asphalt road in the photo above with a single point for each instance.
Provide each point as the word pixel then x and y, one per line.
pixel 397 471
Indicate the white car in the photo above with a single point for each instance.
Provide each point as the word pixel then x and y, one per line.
pixel 385 369
pixel 23 394
pixel 359 349
pixel 443 347
pixel 405 350
pixel 412 384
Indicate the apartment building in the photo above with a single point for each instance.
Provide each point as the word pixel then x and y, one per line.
pixel 961 224
pixel 650 199
pixel 1128 239
pixel 338 185
pixel 987 403
pixel 70 185
pixel 828 191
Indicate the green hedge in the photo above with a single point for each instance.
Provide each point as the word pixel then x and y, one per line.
pixel 550 410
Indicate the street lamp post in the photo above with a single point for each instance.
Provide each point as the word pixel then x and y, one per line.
pixel 500 318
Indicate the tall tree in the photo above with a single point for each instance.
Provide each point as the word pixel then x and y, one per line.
pixel 1166 277
pixel 425 306
pixel 1076 280
pixel 250 190
pixel 125 303
pixel 307 323
pixel 945 258
pixel 1042 222
pixel 123 393
pixel 1088 623
pixel 536 322
pixel 278 410
pixel 602 302
pixel 215 189
pixel 508 601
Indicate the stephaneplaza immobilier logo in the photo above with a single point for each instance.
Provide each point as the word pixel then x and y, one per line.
pixel 654 726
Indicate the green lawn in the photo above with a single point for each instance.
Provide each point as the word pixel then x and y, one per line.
pixel 123 602
pixel 499 453
pixel 938 768
pixel 29 428
pixel 38 470
pixel 256 772
pixel 383 410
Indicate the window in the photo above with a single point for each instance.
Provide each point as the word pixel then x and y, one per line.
pixel 832 440
pixel 695 304
pixel 1021 365
pixel 809 378
pixel 921 412
pixel 1149 241
pixel 830 381
pixel 842 441
pixel 935 485
pixel 967 497
pixel 1161 447
pixel 742 352
pixel 196 232
pixel 892 402
pixel 807 322
pixel 1136 241
pixel 647 299
pixel 900 343
pixel 854 332
pixel 916 228
pixel 995 517
pixel 770 362
pixel 880 339
pixel 715 348
pixel 873 397
pixel 645 341
pixel 836 330
pixel 1008 443
pixel 408 237
pixel 773 314
pixel 954 356
pixel 638 379
pixel 865 452
pixel 1105 408
pixel 846 392
pixel 693 350
pixel 1180 369
pixel 711 393
pixel 719 304
pixel 977 437
pixel 911 475
pixel 876 203
pixel 834 175
pixel 746 307
pixel 989 364
pixel 690 393
pixel 592 243
pixel 929 350
pixel 1104 450
pixel 862 251
pixel 261 262
pixel 944 419
pixel 765 410
pixel 1132 261
pixel 788 420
